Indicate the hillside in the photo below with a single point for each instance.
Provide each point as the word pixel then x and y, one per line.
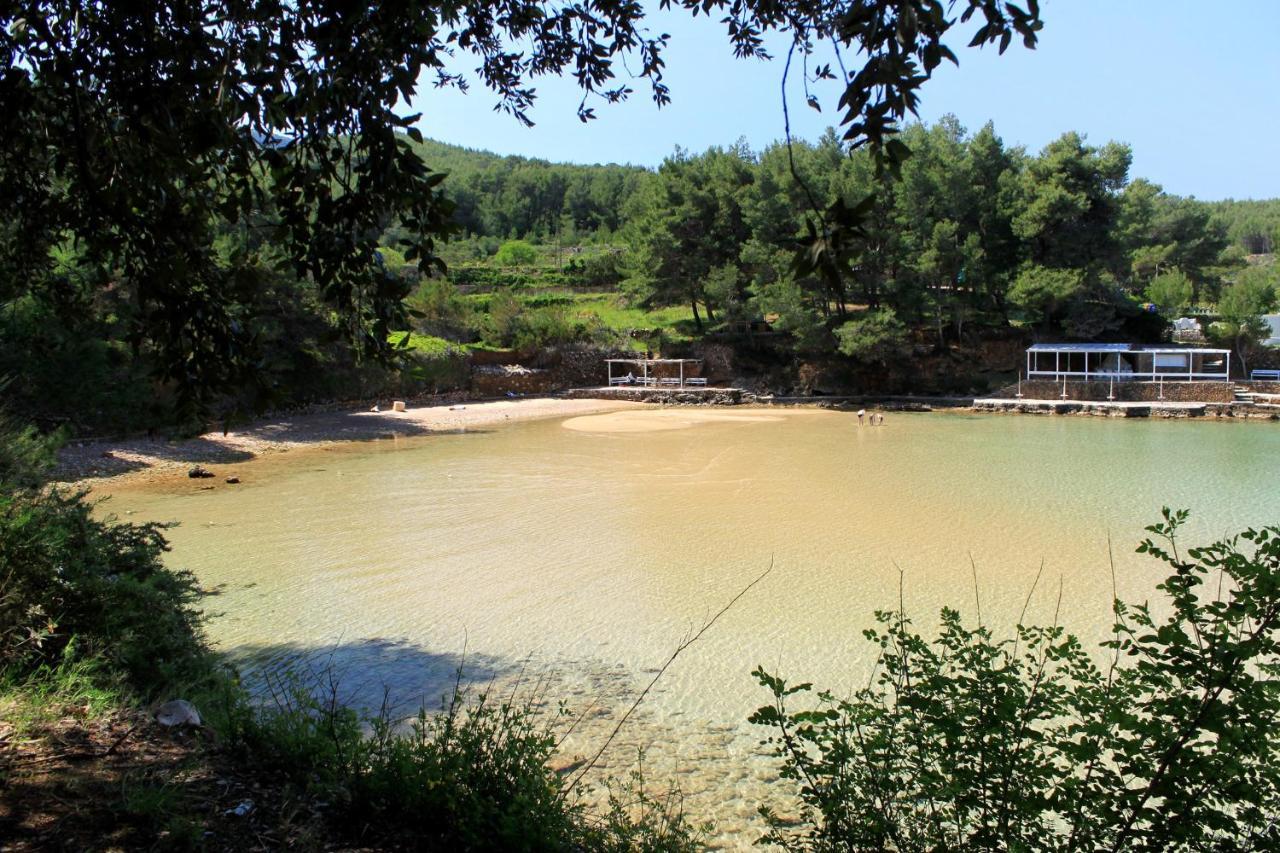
pixel 510 196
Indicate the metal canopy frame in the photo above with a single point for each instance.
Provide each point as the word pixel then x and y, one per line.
pixel 1076 365
pixel 644 364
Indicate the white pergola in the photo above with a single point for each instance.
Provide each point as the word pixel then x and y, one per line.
pixel 647 377
pixel 1133 362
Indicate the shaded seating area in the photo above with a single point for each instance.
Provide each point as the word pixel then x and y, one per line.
pixel 655 372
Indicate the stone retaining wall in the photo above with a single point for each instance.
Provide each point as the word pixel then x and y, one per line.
pixel 670 397
pixel 1131 392
pixel 578 367
pixel 1261 387
pixel 494 373
pixel 1090 408
pixel 498 381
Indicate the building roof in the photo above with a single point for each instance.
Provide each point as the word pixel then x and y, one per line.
pixel 1080 348
pixel 653 360
pixel 1119 348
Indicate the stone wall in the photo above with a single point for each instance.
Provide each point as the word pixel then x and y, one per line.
pixel 494 373
pixel 1262 387
pixel 579 367
pixel 499 380
pixel 671 397
pixel 495 357
pixel 717 361
pixel 1132 392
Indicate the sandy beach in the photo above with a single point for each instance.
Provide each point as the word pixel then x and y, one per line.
pixel 108 465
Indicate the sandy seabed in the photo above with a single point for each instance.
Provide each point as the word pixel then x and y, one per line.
pixel 107 466
pixel 651 420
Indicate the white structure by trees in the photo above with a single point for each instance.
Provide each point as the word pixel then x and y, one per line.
pixel 676 372
pixel 1102 362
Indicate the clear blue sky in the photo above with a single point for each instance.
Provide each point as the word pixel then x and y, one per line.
pixel 1192 86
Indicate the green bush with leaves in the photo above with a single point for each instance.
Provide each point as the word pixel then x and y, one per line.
pixel 543 320
pixel 597 270
pixel 967 742
pixel 439 310
pixel 473 776
pixel 66 576
pixel 516 253
pixel 26 455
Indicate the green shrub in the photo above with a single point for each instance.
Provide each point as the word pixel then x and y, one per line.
pixel 516 253
pixel 441 311
pixel 448 371
pixel 474 776
pixel 504 318
pixel 595 270
pixel 542 320
pixel 25 454
pixel 966 742
pixel 65 575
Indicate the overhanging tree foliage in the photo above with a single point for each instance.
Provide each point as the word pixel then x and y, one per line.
pixel 136 132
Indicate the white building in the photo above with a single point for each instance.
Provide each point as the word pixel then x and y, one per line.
pixel 1134 362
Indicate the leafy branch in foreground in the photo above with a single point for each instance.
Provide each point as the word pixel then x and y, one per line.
pixel 968 742
pixel 143 135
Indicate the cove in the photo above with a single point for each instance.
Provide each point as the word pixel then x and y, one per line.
pixel 573 555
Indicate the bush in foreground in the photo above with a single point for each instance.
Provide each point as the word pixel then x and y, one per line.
pixel 969 743
pixel 67 577
pixel 473 776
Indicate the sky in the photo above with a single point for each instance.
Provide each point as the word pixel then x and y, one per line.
pixel 1192 86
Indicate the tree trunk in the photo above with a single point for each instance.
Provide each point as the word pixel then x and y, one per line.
pixel 697 320
pixel 1001 306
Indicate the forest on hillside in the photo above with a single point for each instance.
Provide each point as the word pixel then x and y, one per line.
pixel 972 233
pixel 513 197
pixel 973 238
